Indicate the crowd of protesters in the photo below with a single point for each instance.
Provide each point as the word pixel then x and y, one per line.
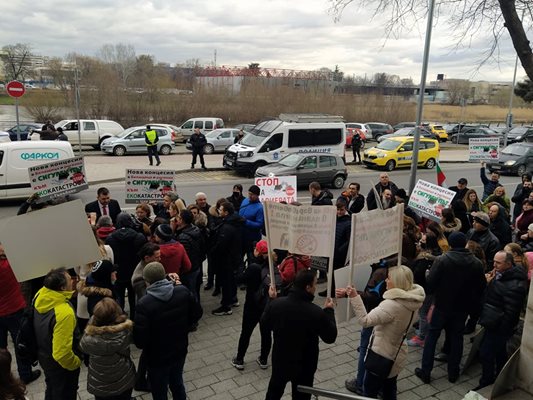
pixel 470 269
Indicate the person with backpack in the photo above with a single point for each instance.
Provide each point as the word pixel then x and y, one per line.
pixel 12 306
pixel 289 267
pixel 257 280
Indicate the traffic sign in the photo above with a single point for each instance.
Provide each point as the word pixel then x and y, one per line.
pixel 15 89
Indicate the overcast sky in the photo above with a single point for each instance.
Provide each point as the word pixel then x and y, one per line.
pixel 293 34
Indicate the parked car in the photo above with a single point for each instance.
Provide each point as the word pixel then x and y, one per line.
pixel 25 130
pixel 363 127
pixel 454 128
pixel 349 135
pixel 398 152
pixel 477 132
pixel 424 132
pixel 520 134
pixel 132 141
pixel 217 141
pixel 379 129
pixel 324 169
pixel 437 130
pixel 403 125
pixel 206 124
pixel 4 137
pixel 517 159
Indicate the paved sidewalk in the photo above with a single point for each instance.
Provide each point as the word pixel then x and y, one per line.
pixel 209 375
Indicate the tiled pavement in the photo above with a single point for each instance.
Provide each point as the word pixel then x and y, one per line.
pixel 209 375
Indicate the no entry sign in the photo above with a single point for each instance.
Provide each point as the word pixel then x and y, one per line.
pixel 15 89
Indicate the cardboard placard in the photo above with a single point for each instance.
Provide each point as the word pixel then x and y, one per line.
pixel 483 149
pixel 145 185
pixel 429 199
pixel 277 188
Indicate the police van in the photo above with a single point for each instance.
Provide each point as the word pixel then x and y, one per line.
pixel 17 157
pixel 271 140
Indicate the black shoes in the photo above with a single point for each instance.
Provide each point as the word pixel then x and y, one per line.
pixel 441 357
pixel 208 286
pixel 351 385
pixel 204 167
pixel 222 311
pixel 158 163
pixel 33 377
pixel 422 375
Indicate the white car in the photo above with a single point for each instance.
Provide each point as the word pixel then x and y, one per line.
pixel 4 137
pixel 365 128
pixel 132 141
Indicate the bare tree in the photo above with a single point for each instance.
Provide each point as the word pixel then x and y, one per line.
pixel 17 61
pixel 468 17
pixel 122 57
pixel 457 89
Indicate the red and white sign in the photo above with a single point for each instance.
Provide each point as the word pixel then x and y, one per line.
pixel 15 89
pixel 277 188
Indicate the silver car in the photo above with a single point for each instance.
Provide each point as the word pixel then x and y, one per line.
pixel 324 169
pixel 132 141
pixel 217 140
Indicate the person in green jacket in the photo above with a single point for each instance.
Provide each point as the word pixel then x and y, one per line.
pixel 151 139
pixel 57 335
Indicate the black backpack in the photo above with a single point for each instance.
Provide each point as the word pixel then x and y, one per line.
pixel 25 341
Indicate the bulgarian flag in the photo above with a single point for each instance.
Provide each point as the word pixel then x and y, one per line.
pixel 441 178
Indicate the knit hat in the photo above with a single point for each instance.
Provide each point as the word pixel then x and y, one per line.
pixel 457 240
pixel 164 232
pixel 101 270
pixel 255 190
pixel 482 218
pixel 153 272
pixel 262 247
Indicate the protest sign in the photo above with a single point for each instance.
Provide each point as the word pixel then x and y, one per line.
pixel 375 234
pixel 148 184
pixel 58 178
pixel 59 236
pixel 277 188
pixel 429 199
pixel 483 149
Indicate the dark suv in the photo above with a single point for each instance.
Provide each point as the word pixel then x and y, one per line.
pixel 520 134
pixel 379 129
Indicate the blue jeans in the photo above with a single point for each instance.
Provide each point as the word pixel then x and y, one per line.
pixel 363 345
pixel 163 378
pixel 373 385
pixel 454 324
pixel 11 324
pixel 493 355
pixel 423 325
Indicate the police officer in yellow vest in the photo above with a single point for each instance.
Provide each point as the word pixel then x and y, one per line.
pixel 151 139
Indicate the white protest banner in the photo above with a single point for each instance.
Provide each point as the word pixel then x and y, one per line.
pixel 376 234
pixel 58 178
pixel 59 236
pixel 483 149
pixel 148 184
pixel 277 188
pixel 307 230
pixel 429 199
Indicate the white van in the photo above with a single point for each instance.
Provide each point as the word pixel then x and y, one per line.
pixel 269 141
pixel 17 157
pixel 92 132
pixel 206 124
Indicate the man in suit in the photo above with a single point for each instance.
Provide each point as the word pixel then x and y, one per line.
pixel 103 205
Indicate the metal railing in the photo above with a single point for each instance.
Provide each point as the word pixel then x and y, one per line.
pixel 316 392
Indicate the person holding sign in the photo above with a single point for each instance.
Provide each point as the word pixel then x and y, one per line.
pixel 151 139
pixel 488 185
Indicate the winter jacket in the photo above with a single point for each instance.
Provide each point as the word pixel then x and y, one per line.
pixel 126 243
pixel 236 199
pixel 390 320
pixel 252 277
pixel 448 228
pixel 255 219
pixel 163 319
pixel 11 299
pixel 504 300
pixel 486 239
pixel 457 280
pixel 111 370
pixel 421 265
pixel 93 292
pixel 522 223
pixel 174 257
pixel 501 228
pixel 501 200
pixel 198 141
pixel 488 185
pixel 291 265
pixel 375 287
pixel 343 230
pixel 56 332
pixel 520 194
pixel 371 197
pixel 192 240
pixel 459 194
pixel 137 280
pixel 297 324
pixel 323 199
pixel 354 206
pixel 227 243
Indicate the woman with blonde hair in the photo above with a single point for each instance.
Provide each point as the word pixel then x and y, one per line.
pixel 499 197
pixel 391 320
pixel 472 202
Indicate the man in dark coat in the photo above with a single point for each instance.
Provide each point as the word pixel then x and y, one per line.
pixel 489 185
pixel 320 197
pixel 384 183
pixel 198 142
pixel 520 194
pixel 499 224
pixel 297 324
pixel 104 205
pixel 162 324
pixel 357 143
pixel 126 243
pixel 504 299
pixel 456 280
pixel 460 190
pixel 226 251
pixel 481 234
pixel 354 199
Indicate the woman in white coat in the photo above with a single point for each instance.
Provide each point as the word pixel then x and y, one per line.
pixel 391 320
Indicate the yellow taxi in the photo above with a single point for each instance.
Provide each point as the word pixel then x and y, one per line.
pixel 439 131
pixel 398 152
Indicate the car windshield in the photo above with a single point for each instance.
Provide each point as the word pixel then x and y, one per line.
pixel 254 138
pixel 388 145
pixel 438 127
pixel 515 150
pixel 214 134
pixel 127 132
pixel 518 131
pixel 292 160
pixel 404 131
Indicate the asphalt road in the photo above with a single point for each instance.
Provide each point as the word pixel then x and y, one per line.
pixel 222 188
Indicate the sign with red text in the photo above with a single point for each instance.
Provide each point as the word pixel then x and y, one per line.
pixel 277 188
pixel 429 199
pixel 149 184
